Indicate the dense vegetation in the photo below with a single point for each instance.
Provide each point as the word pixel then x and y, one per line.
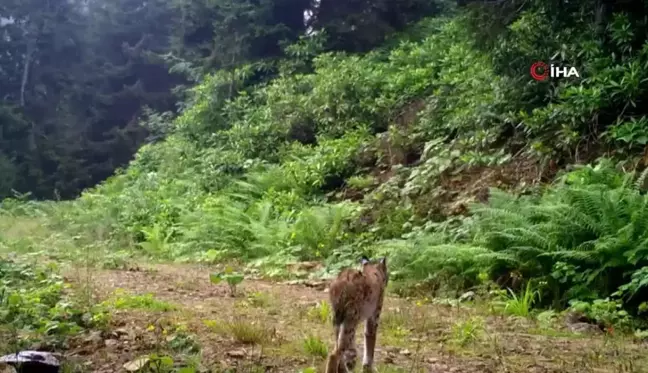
pixel 433 146
pixel 79 76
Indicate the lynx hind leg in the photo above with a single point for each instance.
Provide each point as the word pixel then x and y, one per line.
pixel 333 359
pixel 343 357
pixel 333 362
pixel 350 354
pixel 371 330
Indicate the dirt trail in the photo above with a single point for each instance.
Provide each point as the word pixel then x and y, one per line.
pixel 264 329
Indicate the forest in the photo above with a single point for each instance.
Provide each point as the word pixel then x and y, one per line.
pixel 164 159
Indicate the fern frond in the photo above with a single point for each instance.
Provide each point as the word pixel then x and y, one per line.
pixel 640 182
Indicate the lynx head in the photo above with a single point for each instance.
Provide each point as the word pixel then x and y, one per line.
pixel 379 266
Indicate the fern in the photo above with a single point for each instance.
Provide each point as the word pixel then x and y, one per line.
pixel 594 219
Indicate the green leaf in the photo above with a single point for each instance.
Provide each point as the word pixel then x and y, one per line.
pixel 215 278
pixel 234 279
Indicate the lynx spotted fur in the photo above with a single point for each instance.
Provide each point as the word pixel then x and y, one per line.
pixel 356 296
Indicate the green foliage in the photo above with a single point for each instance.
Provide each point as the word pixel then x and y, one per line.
pixel 606 312
pixel 602 42
pixel 631 132
pixel 314 346
pixel 34 307
pixel 322 313
pixel 468 331
pixel 585 236
pixel 521 305
pixel 361 182
pixel 145 302
pixel 77 78
pixel 232 278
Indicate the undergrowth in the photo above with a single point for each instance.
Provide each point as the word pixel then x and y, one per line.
pixel 37 309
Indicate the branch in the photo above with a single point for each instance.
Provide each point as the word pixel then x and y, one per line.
pixel 25 75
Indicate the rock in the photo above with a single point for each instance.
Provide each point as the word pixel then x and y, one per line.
pixel 578 322
pixel 303 266
pixel 120 332
pixel 582 327
pixel 111 343
pixel 467 296
pixel 237 354
pixel 33 361
pixel 319 285
pixel 94 337
pixel 573 317
pixel 432 360
pixel 137 364
pixel 405 352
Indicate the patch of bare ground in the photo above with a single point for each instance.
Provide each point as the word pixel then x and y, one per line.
pixel 471 184
pixel 281 327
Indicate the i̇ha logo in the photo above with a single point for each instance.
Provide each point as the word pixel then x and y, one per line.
pixel 540 71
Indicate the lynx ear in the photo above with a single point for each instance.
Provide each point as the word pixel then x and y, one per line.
pixel 364 260
pixel 383 260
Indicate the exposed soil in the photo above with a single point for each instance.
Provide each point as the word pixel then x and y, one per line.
pixel 472 184
pixel 413 337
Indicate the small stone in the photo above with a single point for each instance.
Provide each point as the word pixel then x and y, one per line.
pixel 94 337
pixel 237 354
pixel 120 332
pixel 319 285
pixel 405 352
pixel 582 327
pixel 110 342
pixel 467 296
pixel 137 364
pixel 432 360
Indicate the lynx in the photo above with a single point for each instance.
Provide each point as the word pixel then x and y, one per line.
pixel 356 296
